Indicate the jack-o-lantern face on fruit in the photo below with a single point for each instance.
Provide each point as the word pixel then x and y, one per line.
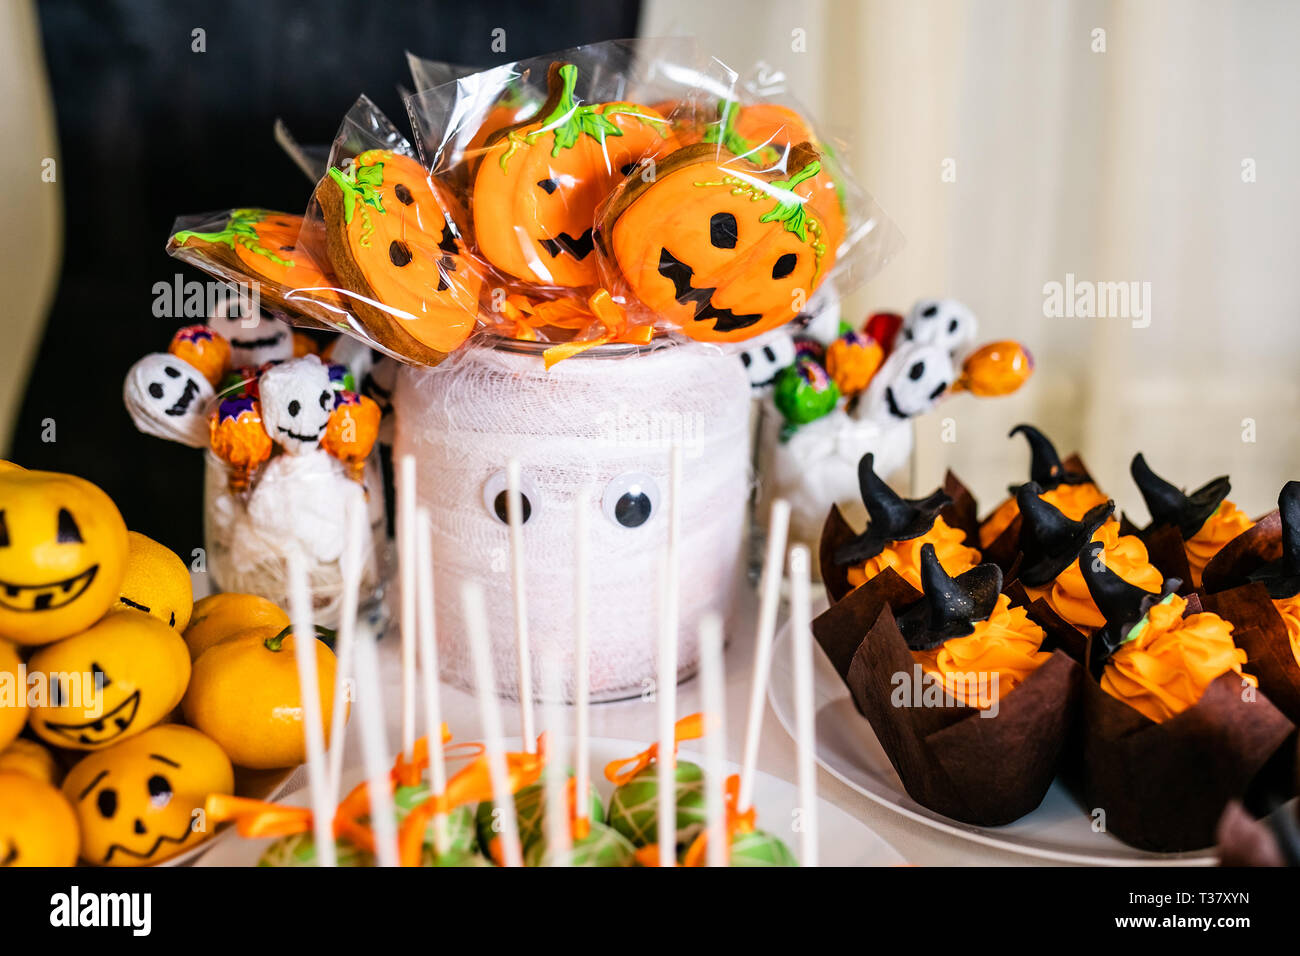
pixel 137 801
pixel 63 550
pixel 538 184
pixel 394 241
pixel 110 682
pixel 721 249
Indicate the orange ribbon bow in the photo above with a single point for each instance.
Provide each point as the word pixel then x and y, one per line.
pixel 735 822
pixel 690 727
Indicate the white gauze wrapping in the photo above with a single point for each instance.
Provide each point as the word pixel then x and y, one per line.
pixel 573 429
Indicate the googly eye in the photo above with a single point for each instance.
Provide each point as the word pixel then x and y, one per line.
pixel 494 497
pixel 630 499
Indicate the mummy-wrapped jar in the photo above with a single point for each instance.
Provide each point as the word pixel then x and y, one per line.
pixel 593 432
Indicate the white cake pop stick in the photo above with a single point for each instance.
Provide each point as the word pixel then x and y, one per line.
pixel 304 642
pixel 805 715
pixel 374 750
pixel 476 626
pixel 778 526
pixel 407 572
pixel 582 655
pixel 515 519
pixel 666 684
pixel 715 739
pixel 428 641
pixel 351 565
pixel 559 838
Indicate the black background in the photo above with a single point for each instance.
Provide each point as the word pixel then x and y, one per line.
pixel 149 130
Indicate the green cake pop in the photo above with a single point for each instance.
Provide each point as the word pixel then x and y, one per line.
pixel 602 846
pixel 462 835
pixel 530 813
pixel 758 848
pixel 458 858
pixel 634 806
pixel 299 849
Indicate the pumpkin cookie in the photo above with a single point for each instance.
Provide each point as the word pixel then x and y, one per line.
pixel 393 243
pixel 721 249
pixel 538 183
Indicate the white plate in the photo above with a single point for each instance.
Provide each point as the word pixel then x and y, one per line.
pixel 843 840
pixel 1059 829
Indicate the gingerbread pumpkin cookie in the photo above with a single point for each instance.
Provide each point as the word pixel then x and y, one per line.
pixel 721 249
pixel 264 246
pixel 393 243
pixel 538 183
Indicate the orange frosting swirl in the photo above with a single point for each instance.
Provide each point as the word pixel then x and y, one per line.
pixel 1074 501
pixel 1289 608
pixel 1170 662
pixel 1221 527
pixel 1006 645
pixel 1125 554
pixel 905 556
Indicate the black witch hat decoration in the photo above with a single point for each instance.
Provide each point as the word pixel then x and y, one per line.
pixel 892 517
pixel 949 607
pixel 1045 468
pixel 1049 540
pixel 1282 577
pixel 1168 504
pixel 1122 604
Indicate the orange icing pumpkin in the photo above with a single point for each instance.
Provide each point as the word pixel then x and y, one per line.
pixel 1220 528
pixel 1007 645
pixel 394 242
pixel 905 556
pixel 1125 555
pixel 1169 660
pixel 1074 501
pixel 538 184
pixel 718 248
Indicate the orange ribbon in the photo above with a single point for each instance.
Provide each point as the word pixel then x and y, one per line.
pixel 690 727
pixel 735 822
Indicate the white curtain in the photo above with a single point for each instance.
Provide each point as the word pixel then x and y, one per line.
pixel 1016 143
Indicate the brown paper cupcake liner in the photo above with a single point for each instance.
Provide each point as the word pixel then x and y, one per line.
pixel 1166 551
pixel 1255 547
pixel 962 512
pixel 1060 632
pixel 1258 629
pixel 1163 786
pixel 986 771
pixel 835 532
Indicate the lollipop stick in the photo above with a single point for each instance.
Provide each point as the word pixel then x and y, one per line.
pixel 778 527
pixel 429 668
pixel 805 715
pixel 515 519
pixel 406 567
pixel 304 643
pixel 666 685
pixel 490 716
pixel 351 567
pixel 558 836
pixel 715 740
pixel 374 751
pixel 582 659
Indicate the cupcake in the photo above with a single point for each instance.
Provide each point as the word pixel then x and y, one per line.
pixel 1046 566
pixel 1254 581
pixel 1197 524
pixel 1064 485
pixel 963 689
pixel 897 529
pixel 1174 728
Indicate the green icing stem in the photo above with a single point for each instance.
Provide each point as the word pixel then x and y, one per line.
pixel 360 185
pixel 569 121
pixel 724 133
pixel 238 231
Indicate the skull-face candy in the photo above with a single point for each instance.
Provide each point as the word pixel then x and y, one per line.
pixel 942 322
pixel 168 398
pixel 910 383
pixel 253 341
pixel 765 356
pixel 297 398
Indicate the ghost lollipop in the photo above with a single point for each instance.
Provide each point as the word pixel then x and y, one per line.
pixel 297 399
pixel 168 398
